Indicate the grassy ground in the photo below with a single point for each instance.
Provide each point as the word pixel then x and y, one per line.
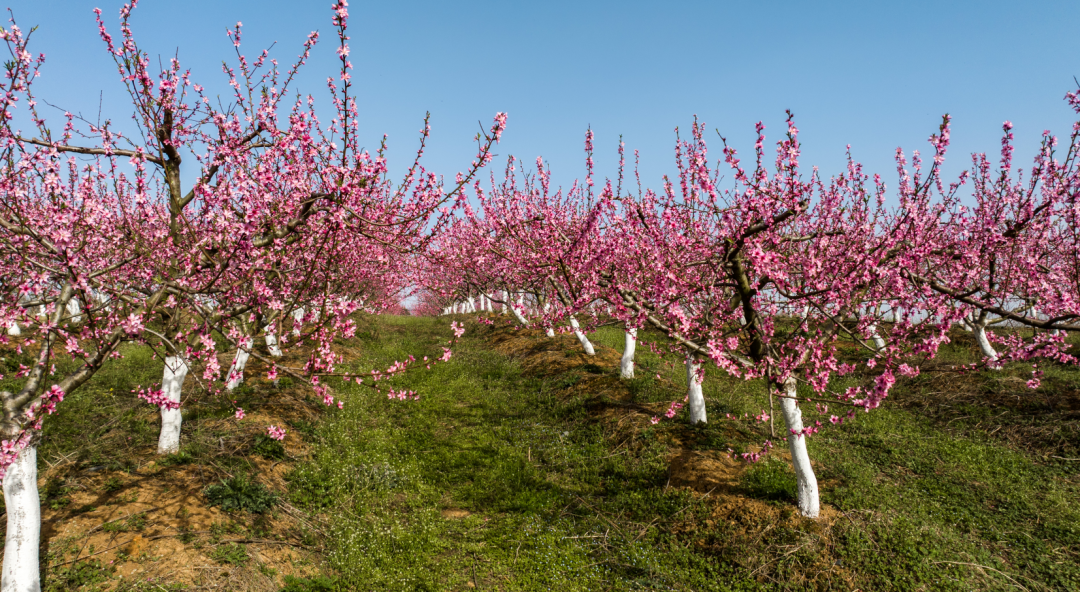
pixel 526 465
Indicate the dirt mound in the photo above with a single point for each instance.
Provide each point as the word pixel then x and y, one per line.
pixel 145 517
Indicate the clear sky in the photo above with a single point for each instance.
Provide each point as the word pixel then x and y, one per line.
pixel 875 75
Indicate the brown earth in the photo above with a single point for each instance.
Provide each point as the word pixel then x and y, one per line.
pixel 154 524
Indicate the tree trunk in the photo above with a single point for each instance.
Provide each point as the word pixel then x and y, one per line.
pixel 879 343
pixel 13 329
pixel 626 366
pixel 21 568
pixel 984 345
pixel 74 310
pixel 585 343
pixel 806 481
pixel 271 343
pixel 517 314
pixel 695 399
pixel 176 369
pixel 298 320
pixel 236 371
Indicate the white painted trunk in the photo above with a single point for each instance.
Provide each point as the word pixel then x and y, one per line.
pixel 74 310
pixel 695 403
pixel 472 304
pixel 984 345
pixel 585 343
pixel 13 329
pixel 176 369
pixel 626 366
pixel 879 343
pixel 490 304
pixel 272 343
pixel 298 320
pixel 236 371
pixel 506 301
pixel 21 568
pixel 806 481
pixel 549 332
pixel 517 314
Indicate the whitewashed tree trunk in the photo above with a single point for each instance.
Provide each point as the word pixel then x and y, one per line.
pixel 979 330
pixel 585 343
pixel 272 343
pixel 549 331
pixel 626 366
pixel 13 329
pixel 236 371
pixel 21 569
pixel 176 369
pixel 517 315
pixel 472 304
pixel 879 343
pixel 506 301
pixel 806 481
pixel 74 310
pixel 695 399
pixel 298 320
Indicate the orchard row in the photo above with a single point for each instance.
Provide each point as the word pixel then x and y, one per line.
pixel 203 225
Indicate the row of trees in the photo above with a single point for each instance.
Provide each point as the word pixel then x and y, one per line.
pixel 199 224
pixel 284 228
pixel 775 275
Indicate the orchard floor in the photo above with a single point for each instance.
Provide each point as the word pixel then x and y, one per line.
pixel 526 465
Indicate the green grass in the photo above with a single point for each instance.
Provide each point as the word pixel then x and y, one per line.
pixel 513 481
pixel 510 482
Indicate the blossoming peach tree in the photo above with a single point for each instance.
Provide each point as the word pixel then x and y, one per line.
pixel 102 241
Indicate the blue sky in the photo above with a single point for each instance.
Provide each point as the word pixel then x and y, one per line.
pixel 874 75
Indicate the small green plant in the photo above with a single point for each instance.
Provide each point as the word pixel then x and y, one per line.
pixel 183 457
pixel 232 554
pixel 305 428
pixel 268 448
pixel 770 479
pixel 241 494
pixel 186 536
pixel 133 522
pixel 55 494
pixel 78 575
pixel 112 484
